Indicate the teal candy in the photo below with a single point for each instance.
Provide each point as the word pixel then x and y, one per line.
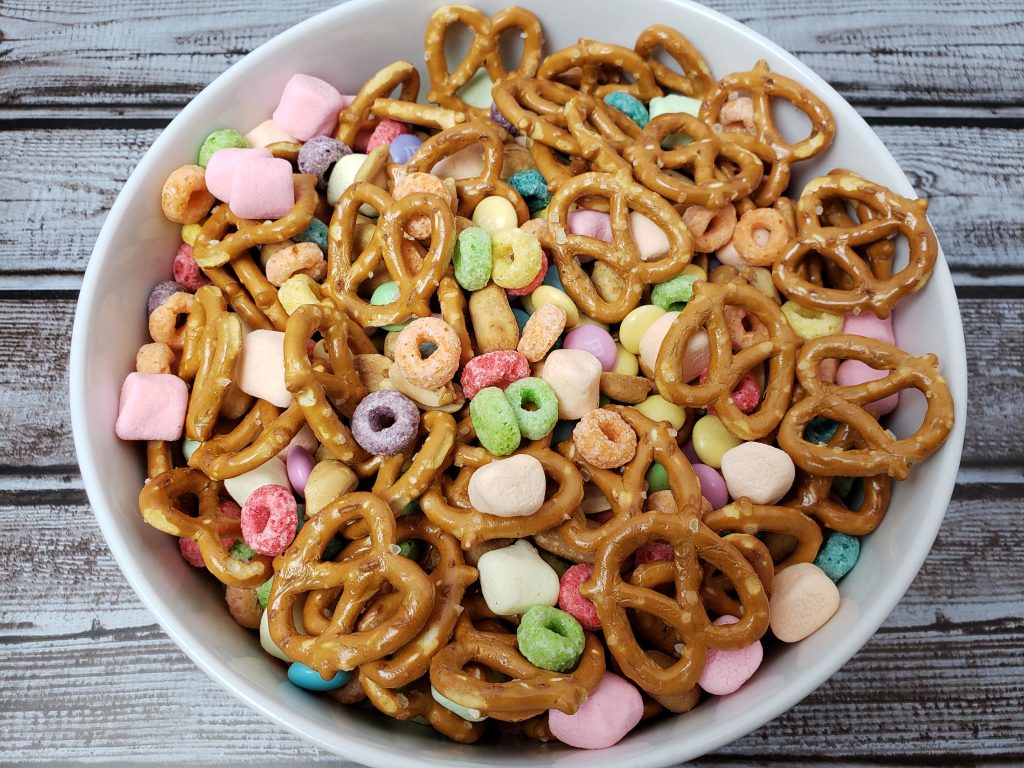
pixel 228 138
pixel 302 676
pixel 563 431
pixel 316 232
pixel 673 294
pixel 532 187
pixel 628 105
pixel 263 592
pixel 603 400
pixel 551 278
pixel 657 479
pixel 533 425
pixel 188 447
pixel 385 293
pixel 522 317
pixel 473 258
pixel 241 551
pixel 494 421
pixel 550 639
pixel 838 555
pixel 820 430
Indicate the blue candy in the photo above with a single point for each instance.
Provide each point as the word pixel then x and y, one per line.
pixel 562 431
pixel 316 232
pixel 630 106
pixel 403 147
pixel 838 555
pixel 522 316
pixel 304 677
pixel 532 187
pixel 551 278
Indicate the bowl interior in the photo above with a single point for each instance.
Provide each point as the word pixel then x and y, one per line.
pixel 344 46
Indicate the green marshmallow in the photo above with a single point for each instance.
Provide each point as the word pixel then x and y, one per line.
pixel 537 423
pixel 674 102
pixel 241 551
pixel 494 421
pixel 472 715
pixel 188 447
pixel 473 258
pixel 228 138
pixel 477 92
pixel 550 639
pixel 673 294
pixel 263 592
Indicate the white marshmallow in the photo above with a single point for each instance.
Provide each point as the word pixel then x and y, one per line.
pixel 575 376
pixel 515 578
pixel 698 347
pixel 268 642
pixel 762 473
pixel 512 487
pixel 261 367
pixel 273 472
pixel 303 437
pixel 650 239
pixel 467 163
pixel 268 132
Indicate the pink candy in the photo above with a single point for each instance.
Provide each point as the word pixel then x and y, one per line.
pixel 262 188
pixel 186 270
pixel 309 107
pixel 611 711
pixel 299 464
pixel 591 224
pixel 493 369
pixel 595 340
pixel 269 520
pixel 853 372
pixel 867 324
pixel 152 407
pixel 385 132
pixel 572 602
pixel 726 671
pixel 220 171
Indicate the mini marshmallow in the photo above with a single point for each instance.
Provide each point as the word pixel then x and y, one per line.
pixel 864 324
pixel 512 487
pixel 515 578
pixel 272 472
pixel 467 163
pixel 698 347
pixel 654 337
pixel 343 175
pixel 309 107
pixel 591 224
pixel 725 672
pixel 803 599
pixel 262 188
pixel 152 407
pixel 611 711
pixel 261 367
pixel 650 239
pixel 268 132
pixel 853 372
pixel 575 376
pixel 762 473
pixel 220 171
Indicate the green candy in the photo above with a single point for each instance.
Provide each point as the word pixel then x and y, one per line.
pixel 227 138
pixel 494 421
pixel 657 479
pixel 673 294
pixel 410 548
pixel 838 556
pixel 661 105
pixel 628 105
pixel 263 592
pixel 550 639
pixel 558 565
pixel 535 424
pixel 241 551
pixel 473 258
pixel 386 293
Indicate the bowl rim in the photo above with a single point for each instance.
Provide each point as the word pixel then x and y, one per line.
pixel 663 754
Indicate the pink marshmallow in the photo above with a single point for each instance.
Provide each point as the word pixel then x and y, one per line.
pixel 220 171
pixel 853 372
pixel 726 671
pixel 309 107
pixel 268 132
pixel 262 188
pixel 261 367
pixel 610 712
pixel 650 239
pixel 152 407
pixel 867 324
pixel 591 224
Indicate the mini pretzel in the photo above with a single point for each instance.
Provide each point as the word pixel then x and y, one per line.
pixel 717 591
pixel 693 174
pixel 707 309
pixel 696 78
pixel 586 53
pixel 743 517
pixel 222 344
pixel 682 611
pixel 892 214
pixel 209 302
pixel 359 114
pixel 766 141
pixel 882 453
pixel 537 109
pixel 158 458
pixel 159 503
pixel 413 113
pixel 300 569
pixel 347 270
pixel 453 310
pixel 622 255
pixel 415 701
pixel 484 51
pixel 261 435
pixel 601 133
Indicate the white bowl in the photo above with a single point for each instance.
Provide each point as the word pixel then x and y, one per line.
pixel 345 45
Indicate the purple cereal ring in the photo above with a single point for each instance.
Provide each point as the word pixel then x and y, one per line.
pixel 299 464
pixel 318 154
pixel 162 292
pixel 500 119
pixel 385 422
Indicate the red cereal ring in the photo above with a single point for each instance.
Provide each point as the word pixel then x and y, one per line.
pixel 746 396
pixel 604 439
pixel 493 369
pixel 384 133
pixel 572 602
pixel 186 270
pixel 269 520
pixel 654 550
pixel 534 284
pixel 438 368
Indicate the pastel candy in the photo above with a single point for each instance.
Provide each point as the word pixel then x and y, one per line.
pixel 762 473
pixel 712 485
pixel 343 175
pixel 220 171
pixel 596 341
pixel 575 376
pixel 152 407
pixel 512 487
pixel 466 713
pixel 303 438
pixel 853 372
pixel 674 102
pixel 261 367
pixel 698 347
pixel 651 241
pixel 611 711
pixel 262 188
pixel 864 324
pixel 477 92
pixel 726 671
pixel 268 132
pixel 467 163
pixel 272 472
pixel 309 107
pixel 803 599
pixel 514 578
pixel 711 440
pixel 591 224
pixel 654 336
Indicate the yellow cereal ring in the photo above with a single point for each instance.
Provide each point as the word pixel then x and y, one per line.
pixel 517 258
pixel 811 323
pixel 298 290
pixel 635 325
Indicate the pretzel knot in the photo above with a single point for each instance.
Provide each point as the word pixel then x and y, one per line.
pixel 682 611
pixel 620 69
pixel 622 255
pixel 347 271
pixel 602 134
pixel 766 140
pixel 537 109
pixel 262 434
pixel 484 51
pixel 707 308
pixel 892 214
pixel 741 516
pixel 882 453
pixel 359 115
pixel 710 171
pixel 415 701
pixel 528 692
pixel 160 504
pixel 340 646
pixel 447 504
pixel 318 392
pixel 695 79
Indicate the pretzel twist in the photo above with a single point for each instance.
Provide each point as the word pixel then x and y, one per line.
pixel 415 701
pixel 741 516
pixel 695 79
pixel 594 59
pixel 262 434
pixel 360 114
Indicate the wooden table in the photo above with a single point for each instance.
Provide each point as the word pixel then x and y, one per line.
pixel 86 675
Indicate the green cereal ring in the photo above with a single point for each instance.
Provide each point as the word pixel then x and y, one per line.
pixel 473 258
pixel 227 138
pixel 263 592
pixel 838 555
pixel 532 187
pixel 628 105
pixel 673 294
pixel 657 479
pixel 316 232
pixel 241 551
pixel 550 639
pixel 537 423
pixel 494 421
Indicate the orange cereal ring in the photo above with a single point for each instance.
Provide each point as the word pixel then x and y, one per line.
pixel 604 439
pixel 418 226
pixel 184 197
pixel 738 115
pixel 541 332
pixel 761 236
pixel 297 259
pixel 163 321
pixel 438 368
pixel 711 228
pixel 154 358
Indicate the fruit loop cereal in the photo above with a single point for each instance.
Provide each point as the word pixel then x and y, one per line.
pixel 581 397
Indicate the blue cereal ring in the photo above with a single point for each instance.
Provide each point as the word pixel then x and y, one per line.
pixel 630 106
pixel 316 232
pixel 550 639
pixel 494 421
pixel 302 676
pixel 532 187
pixel 539 422
pixel 838 555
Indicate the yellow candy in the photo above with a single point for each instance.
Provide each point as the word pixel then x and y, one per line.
pixel 548 294
pixel 711 439
pixel 189 233
pixel 811 323
pixel 697 272
pixel 625 361
pixel 517 258
pixel 494 214
pixel 635 325
pixel 657 408
pixel 298 290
